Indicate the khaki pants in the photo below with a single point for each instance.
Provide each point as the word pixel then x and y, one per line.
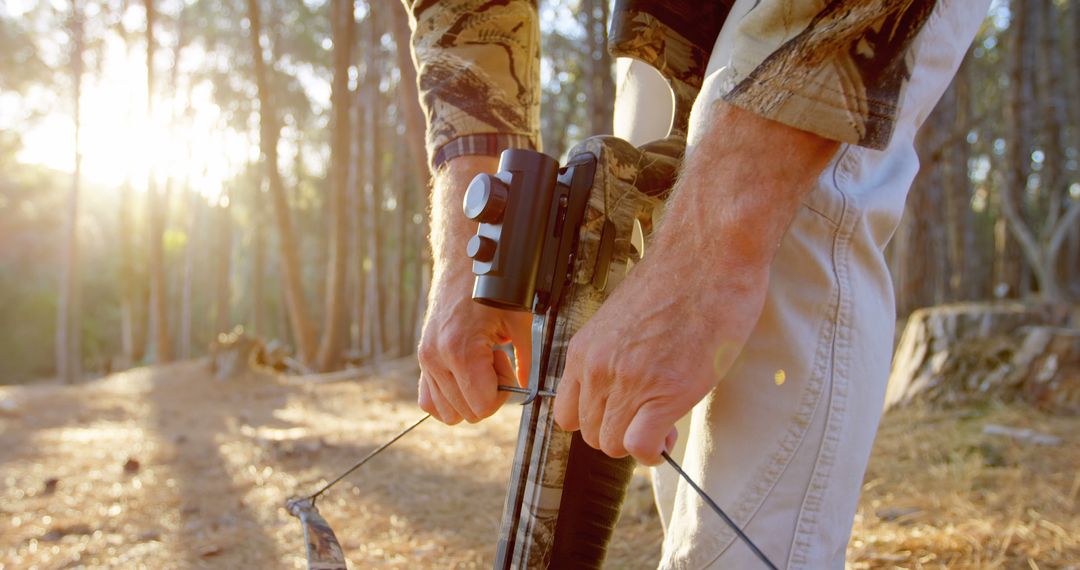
pixel 786 459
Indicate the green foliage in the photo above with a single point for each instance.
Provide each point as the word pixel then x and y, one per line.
pixel 563 112
pixel 34 52
pixel 30 200
pixel 20 63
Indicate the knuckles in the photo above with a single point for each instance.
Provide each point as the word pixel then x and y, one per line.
pixel 611 444
pixel 427 354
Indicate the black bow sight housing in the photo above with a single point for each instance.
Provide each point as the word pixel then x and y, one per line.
pixel 529 214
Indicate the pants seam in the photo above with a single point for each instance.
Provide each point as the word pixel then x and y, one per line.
pixel 769 474
pixel 837 394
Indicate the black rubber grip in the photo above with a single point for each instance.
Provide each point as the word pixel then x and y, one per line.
pixel 593 492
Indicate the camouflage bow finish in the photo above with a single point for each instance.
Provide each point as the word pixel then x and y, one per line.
pixel 564 497
pixel 323 549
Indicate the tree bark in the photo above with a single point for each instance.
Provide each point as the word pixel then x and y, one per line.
pixel 409 102
pixel 952 352
pixel 403 328
pixel 269 132
pixel 132 321
pixel 223 250
pixel 375 306
pixel 918 251
pixel 157 202
pixel 1040 250
pixel 191 249
pixel 1074 75
pixel 334 315
pixel 1054 175
pixel 361 342
pixel 959 220
pixel 259 327
pixel 68 310
pixel 408 97
pixel 601 83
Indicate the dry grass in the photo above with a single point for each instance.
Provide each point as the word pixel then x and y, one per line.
pixel 941 494
pixel 214 462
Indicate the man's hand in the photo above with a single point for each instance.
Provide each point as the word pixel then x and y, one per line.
pixel 459 370
pixel 674 327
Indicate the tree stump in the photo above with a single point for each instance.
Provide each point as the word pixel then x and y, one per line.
pixel 235 353
pixel 953 354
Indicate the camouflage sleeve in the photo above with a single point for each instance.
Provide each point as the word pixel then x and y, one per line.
pixel 478 65
pixel 836 69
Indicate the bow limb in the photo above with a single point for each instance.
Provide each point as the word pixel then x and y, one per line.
pixel 323 550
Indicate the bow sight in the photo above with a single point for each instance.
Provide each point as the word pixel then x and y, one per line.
pixel 529 213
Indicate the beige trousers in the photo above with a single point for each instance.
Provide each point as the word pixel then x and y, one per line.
pixel 786 458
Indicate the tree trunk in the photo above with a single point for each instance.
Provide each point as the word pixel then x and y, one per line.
pixel 951 353
pixel 157 202
pixel 191 249
pixel 223 250
pixel 959 219
pixel 1039 249
pixel 402 328
pixel 68 310
pixel 361 342
pixel 1074 76
pixel 131 340
pixel 259 327
pixel 409 103
pixel 1055 177
pixel 376 308
pixel 918 252
pixel 269 132
pixel 408 97
pixel 601 83
pixel 334 316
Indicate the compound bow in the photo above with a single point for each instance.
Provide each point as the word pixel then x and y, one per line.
pixel 556 242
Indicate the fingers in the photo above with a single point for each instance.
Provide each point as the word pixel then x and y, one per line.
pixel 671 439
pixel 432 401
pixel 446 383
pixel 591 406
pixel 504 370
pixel 471 392
pixel 617 417
pixel 444 399
pixel 521 335
pixel 423 398
pixel 478 378
pixel 651 431
pixel 566 403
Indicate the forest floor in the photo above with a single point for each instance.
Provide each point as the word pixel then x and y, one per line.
pixel 167 467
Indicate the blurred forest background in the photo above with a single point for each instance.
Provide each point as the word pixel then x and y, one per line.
pixel 172 169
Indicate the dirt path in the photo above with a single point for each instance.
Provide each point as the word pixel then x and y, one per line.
pixel 169 468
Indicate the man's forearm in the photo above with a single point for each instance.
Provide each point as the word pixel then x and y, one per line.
pixel 450 229
pixel 459 370
pixel 740 188
pixel 675 326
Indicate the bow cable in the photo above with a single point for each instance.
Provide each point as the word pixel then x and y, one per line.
pixel 674 465
pixel 375 452
pixel 720 512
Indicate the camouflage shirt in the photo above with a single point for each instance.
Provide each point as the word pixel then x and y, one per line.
pixel 836 68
